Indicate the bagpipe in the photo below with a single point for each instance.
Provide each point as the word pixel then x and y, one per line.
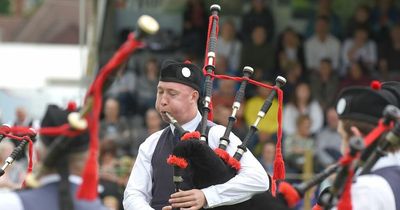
pixel 86 120
pixel 211 167
pixel 362 155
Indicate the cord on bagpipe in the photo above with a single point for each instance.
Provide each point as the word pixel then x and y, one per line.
pixel 357 159
pixel 25 136
pixel 86 119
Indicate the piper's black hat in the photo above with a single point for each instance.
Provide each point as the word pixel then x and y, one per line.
pixel 367 103
pixel 185 73
pixel 55 116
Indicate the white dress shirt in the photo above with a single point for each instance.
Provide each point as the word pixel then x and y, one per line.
pixel 250 180
pixel 316 50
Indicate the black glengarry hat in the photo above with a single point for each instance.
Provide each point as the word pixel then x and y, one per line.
pixel 367 103
pixel 55 116
pixel 185 73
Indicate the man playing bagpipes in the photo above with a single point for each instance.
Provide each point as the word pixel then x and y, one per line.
pixel 368 174
pixel 360 110
pixel 150 185
pixel 62 160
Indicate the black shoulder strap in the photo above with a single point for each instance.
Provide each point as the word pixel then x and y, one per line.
pixel 209 125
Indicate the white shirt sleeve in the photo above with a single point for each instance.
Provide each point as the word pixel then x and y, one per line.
pixel 10 200
pixel 137 195
pixel 250 180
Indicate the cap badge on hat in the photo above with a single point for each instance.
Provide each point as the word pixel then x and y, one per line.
pixel 186 72
pixel 341 106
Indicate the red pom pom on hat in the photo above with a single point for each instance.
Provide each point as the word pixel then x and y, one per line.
pixel 376 85
pixel 71 106
pixel 187 62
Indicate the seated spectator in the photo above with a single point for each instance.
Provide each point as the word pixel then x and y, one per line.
pixel 229 46
pixel 328 140
pixel 147 86
pixel 221 116
pixel 302 103
pixel 109 179
pixel 298 143
pixel 290 50
pixel 360 48
pixel 123 88
pixel 294 75
pixel 324 84
pixel 383 16
pixel 267 157
pixel 389 54
pixel 324 8
pixel 322 45
pixel 195 25
pixel 23 119
pixel 153 123
pixel 115 127
pixel 361 18
pixel 259 54
pixel 356 75
pixel 225 94
pixel 259 15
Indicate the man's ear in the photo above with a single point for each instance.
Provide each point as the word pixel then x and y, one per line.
pixel 356 131
pixel 195 96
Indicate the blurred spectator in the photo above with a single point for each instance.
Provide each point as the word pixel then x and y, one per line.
pixel 328 140
pixel 123 88
pixel 115 127
pixel 360 48
pixel 221 115
pixel 21 118
pixel 302 103
pixel 229 46
pixel 195 25
pixel 324 84
pixel 290 49
pixel 324 8
pixel 259 54
pixel 267 157
pixel 15 174
pixel 356 75
pixel 153 123
pixel 389 54
pixel 361 18
pixel 108 160
pixel 294 75
pixel 322 45
pixel 225 94
pixel 269 124
pixel 109 179
pixel 384 15
pixel 298 143
pixel 147 86
pixel 259 15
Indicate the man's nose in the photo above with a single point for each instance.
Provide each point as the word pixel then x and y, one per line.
pixel 163 100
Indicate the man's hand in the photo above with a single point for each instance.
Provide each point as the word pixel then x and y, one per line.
pixel 187 200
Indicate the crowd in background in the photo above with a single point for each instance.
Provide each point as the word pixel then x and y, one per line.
pixel 318 62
